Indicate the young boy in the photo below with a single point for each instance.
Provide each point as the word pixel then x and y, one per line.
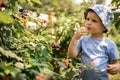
pixel 95 48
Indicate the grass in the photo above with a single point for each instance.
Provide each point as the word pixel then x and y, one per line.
pixel 115 77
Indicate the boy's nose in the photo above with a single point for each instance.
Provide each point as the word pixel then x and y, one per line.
pixel 88 22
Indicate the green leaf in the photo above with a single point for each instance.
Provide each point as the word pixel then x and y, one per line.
pixel 9 54
pixel 30 3
pixel 6 18
pixel 117 24
pixel 22 1
pixel 37 1
pixel 19 65
pixel 19 76
pixel 45 32
pixel 70 74
pixel 43 49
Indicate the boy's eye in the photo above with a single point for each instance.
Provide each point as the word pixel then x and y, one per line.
pixel 94 20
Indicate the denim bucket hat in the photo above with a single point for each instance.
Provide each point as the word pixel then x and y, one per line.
pixel 104 13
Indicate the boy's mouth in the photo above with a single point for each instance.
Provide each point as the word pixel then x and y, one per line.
pixel 88 28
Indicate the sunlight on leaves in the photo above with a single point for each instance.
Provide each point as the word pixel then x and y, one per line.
pixel 22 1
pixel 37 1
pixel 9 54
pixel 6 18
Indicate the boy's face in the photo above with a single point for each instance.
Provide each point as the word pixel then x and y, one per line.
pixel 93 23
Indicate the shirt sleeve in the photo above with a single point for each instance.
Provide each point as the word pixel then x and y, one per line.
pixel 113 54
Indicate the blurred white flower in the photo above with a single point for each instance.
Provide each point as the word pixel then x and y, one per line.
pixel 108 2
pixel 54 19
pixel 32 25
pixel 117 10
pixel 43 17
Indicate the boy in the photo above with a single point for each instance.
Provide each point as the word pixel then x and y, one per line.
pixel 95 48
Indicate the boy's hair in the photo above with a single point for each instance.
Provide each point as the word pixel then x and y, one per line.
pixel 104 13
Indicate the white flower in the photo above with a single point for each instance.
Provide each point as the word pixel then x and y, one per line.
pixel 32 25
pixel 43 17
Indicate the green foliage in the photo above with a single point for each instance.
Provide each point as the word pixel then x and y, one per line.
pixel 6 18
pixel 28 51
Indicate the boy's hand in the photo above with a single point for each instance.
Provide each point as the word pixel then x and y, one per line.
pixel 81 31
pixel 113 68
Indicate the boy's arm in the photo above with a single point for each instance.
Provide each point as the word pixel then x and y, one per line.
pixel 114 61
pixel 72 49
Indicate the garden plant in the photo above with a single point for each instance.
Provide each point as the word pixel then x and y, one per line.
pixel 34 37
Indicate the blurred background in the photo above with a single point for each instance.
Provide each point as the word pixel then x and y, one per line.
pixel 35 34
